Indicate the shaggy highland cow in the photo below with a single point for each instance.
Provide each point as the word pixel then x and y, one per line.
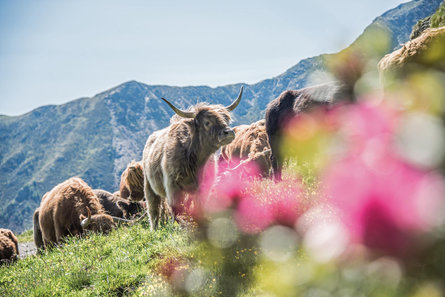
pixel 118 207
pixel 132 182
pixel 70 208
pixel 292 102
pixel 173 157
pixel 9 246
pixel 251 144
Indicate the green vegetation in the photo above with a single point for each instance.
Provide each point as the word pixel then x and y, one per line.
pixel 121 263
pixel 26 236
pixel 438 18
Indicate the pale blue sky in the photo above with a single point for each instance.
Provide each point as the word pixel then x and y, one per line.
pixel 52 52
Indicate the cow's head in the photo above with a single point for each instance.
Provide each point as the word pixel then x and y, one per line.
pixel 97 223
pixel 129 208
pixel 211 121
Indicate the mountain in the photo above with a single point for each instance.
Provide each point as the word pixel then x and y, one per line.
pixel 95 138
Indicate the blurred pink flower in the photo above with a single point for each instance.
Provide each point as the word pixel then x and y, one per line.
pixel 227 189
pixel 367 124
pixel 384 201
pixel 252 215
pixel 283 200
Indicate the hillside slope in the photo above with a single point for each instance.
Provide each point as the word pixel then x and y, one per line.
pixel 95 138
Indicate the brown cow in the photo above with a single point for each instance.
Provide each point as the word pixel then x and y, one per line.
pixel 70 208
pixel 251 144
pixel 132 182
pixel 115 206
pixel 173 157
pixel 9 246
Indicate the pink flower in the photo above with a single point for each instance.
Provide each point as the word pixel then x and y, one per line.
pixel 228 188
pixel 385 202
pixel 367 124
pixel 252 216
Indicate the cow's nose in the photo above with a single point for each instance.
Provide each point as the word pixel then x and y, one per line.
pixel 229 132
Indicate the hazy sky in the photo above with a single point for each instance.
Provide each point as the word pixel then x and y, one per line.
pixel 52 52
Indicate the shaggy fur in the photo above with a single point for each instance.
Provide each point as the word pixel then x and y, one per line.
pixel 173 157
pixel 426 51
pixel 292 102
pixel 116 206
pixel 132 182
pixel 65 206
pixel 9 246
pixel 249 144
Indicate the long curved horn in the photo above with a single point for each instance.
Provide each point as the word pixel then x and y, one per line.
pixel 267 152
pixel 86 222
pixel 237 101
pixel 181 113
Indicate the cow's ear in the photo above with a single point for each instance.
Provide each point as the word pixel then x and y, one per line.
pixel 82 217
pixel 122 204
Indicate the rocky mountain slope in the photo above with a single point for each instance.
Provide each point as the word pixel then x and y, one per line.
pixel 95 138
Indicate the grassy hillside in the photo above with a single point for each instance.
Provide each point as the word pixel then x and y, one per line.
pixel 121 263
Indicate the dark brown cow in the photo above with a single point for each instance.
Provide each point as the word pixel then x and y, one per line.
pixel 251 144
pixel 173 157
pixel 9 246
pixel 292 102
pixel 118 207
pixel 132 182
pixel 70 208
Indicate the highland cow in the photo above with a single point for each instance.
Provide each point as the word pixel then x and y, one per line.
pixel 132 182
pixel 251 144
pixel 116 206
pixel 173 157
pixel 424 53
pixel 9 246
pixel 292 102
pixel 71 208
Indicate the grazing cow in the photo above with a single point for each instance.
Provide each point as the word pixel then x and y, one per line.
pixel 116 206
pixel 9 246
pixel 251 144
pixel 292 102
pixel 173 157
pixel 132 182
pixel 70 208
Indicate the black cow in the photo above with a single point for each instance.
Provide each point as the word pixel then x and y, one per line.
pixel 292 102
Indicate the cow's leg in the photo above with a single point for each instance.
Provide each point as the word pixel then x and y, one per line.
pixel 174 198
pixel 60 232
pixel 153 203
pixel 49 238
pixel 277 164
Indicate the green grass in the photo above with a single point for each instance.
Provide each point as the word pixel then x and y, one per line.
pixel 119 264
pixel 26 236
